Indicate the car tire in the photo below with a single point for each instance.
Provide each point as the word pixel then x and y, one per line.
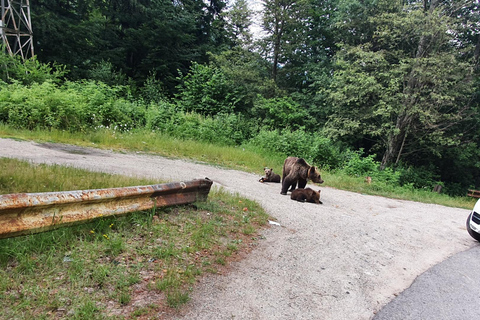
pixel 474 235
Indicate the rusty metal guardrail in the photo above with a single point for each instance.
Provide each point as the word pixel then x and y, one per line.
pixel 26 213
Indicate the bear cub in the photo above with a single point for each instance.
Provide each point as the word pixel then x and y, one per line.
pixel 270 176
pixel 307 194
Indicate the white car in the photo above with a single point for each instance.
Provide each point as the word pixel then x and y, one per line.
pixel 473 222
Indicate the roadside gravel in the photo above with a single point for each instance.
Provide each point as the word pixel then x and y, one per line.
pixel 344 259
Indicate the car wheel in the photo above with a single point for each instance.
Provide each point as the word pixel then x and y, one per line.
pixel 474 235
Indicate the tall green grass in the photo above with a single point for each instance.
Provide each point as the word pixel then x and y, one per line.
pixel 21 176
pixel 243 158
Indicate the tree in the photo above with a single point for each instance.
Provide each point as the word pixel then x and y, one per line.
pixel 239 20
pixel 299 40
pixel 407 88
pixel 137 37
pixel 278 16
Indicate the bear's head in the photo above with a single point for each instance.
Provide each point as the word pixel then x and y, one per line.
pixel 314 175
pixel 268 172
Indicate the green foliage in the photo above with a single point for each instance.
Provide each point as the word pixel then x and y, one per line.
pixel 13 68
pixel 105 72
pixel 359 166
pixel 72 107
pixel 136 37
pixel 239 20
pixel 281 113
pixel 405 88
pixel 419 177
pixel 40 106
pixel 312 146
pixel 225 129
pixel 356 165
pixel 152 90
pixel 247 70
pixel 207 91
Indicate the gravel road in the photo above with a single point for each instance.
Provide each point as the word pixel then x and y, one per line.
pixel 344 259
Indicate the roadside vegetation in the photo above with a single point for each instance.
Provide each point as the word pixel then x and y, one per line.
pixel 124 267
pixel 350 175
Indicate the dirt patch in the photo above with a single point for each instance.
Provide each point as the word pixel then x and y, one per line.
pixel 72 149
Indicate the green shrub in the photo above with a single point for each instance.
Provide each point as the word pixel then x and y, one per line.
pixel 75 106
pixel 356 165
pixel 207 91
pixel 311 146
pixel 281 113
pixel 105 72
pixel 40 106
pixel 27 72
pixel 359 166
pixel 226 129
pixel 152 90
pixel 420 178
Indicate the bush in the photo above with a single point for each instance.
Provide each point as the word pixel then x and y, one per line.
pixel 207 91
pixel 356 165
pixel 73 106
pixel 420 178
pixel 105 72
pixel 226 129
pixel 313 147
pixel 27 72
pixel 281 113
pixel 40 106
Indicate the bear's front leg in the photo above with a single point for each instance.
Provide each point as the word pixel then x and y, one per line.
pixel 285 184
pixel 302 183
pixel 294 186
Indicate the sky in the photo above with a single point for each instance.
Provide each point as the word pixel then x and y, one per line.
pixel 256 6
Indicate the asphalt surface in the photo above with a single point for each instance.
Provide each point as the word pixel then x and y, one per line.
pixel 448 291
pixel 351 258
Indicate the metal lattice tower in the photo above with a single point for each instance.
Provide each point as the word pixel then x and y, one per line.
pixel 16 28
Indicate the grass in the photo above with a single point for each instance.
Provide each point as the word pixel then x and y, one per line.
pixel 126 267
pixel 22 176
pixel 246 159
pixel 379 188
pixel 149 142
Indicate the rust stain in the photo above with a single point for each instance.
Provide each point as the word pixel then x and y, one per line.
pixel 26 213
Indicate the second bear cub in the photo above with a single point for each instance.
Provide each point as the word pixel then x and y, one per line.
pixel 307 194
pixel 270 176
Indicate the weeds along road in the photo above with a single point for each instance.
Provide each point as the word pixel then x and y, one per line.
pixel 344 259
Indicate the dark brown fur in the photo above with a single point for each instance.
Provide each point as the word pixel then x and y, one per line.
pixel 297 170
pixel 270 176
pixel 308 195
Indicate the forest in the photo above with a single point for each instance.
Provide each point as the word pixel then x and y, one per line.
pixel 387 88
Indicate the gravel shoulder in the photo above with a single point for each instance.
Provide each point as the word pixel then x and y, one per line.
pixel 344 259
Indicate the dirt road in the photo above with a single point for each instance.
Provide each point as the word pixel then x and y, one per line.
pixel 344 259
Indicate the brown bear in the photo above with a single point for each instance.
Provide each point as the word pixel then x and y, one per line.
pixel 308 195
pixel 270 176
pixel 297 170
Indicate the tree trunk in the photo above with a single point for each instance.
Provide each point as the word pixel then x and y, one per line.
pixel 477 51
pixel 396 141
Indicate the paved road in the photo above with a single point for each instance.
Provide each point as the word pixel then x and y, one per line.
pixel 345 259
pixel 448 291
